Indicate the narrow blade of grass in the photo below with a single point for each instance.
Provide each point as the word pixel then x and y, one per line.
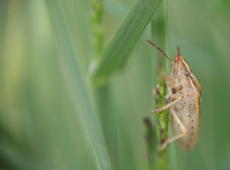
pixel 159 36
pixel 123 41
pixel 80 91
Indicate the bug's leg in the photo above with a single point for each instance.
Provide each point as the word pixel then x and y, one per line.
pixel 167 106
pixel 182 134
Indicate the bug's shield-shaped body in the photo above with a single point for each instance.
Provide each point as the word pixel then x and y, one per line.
pixel 183 100
pixel 184 86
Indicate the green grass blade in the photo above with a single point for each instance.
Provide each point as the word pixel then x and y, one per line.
pixel 78 85
pixel 125 38
pixel 159 36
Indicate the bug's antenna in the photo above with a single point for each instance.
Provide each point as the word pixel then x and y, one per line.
pixel 178 51
pixel 158 48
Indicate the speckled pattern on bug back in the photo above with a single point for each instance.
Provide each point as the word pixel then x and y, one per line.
pixel 182 83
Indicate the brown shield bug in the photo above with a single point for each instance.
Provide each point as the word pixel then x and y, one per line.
pixel 183 101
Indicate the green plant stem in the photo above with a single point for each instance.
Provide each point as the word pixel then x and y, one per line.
pixel 97 28
pixel 97 43
pixel 102 95
pixel 159 34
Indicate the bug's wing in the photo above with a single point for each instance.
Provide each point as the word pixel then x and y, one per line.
pixel 198 88
pixel 196 83
pixel 193 78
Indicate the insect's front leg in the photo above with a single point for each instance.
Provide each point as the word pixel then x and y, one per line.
pixel 175 100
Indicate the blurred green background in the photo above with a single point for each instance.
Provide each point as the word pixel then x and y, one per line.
pixel 43 108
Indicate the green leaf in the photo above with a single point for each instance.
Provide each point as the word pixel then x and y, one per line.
pixel 80 90
pixel 123 41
